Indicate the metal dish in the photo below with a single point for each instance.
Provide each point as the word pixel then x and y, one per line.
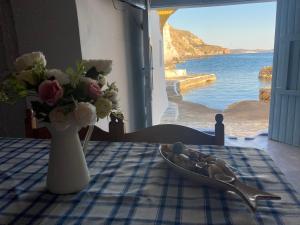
pixel 224 182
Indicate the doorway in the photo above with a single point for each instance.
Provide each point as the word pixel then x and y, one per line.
pixel 207 73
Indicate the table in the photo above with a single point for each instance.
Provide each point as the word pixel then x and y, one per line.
pixel 130 184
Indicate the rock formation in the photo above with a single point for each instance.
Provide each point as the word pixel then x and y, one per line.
pixel 181 45
pixel 265 94
pixel 266 73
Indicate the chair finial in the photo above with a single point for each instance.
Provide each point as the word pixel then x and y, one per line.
pixel 219 130
pixel 219 118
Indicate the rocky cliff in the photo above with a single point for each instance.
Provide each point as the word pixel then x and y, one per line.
pixel 181 45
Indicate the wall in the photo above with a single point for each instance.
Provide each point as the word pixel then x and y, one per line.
pixel 50 27
pixel 11 116
pixel 3 66
pixel 113 33
pixel 159 94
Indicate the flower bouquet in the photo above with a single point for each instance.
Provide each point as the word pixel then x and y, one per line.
pixel 65 101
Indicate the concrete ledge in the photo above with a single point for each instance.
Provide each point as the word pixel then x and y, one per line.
pixel 191 82
pixel 181 84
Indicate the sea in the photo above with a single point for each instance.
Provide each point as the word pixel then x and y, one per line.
pixel 237 78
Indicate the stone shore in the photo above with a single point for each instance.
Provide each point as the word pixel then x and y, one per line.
pixel 241 119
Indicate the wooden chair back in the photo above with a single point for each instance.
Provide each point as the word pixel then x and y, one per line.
pixel 162 133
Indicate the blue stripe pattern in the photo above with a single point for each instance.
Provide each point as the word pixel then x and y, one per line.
pixel 130 184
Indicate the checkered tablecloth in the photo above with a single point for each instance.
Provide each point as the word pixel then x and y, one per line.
pixel 131 184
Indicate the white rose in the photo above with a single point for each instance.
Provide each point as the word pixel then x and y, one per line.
pixel 60 76
pixel 103 107
pixel 85 114
pixel 27 61
pixel 102 66
pixel 59 119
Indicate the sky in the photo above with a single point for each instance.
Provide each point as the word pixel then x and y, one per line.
pixel 246 26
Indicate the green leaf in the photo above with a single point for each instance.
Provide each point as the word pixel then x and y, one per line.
pixel 39 72
pixel 75 76
pixel 12 90
pixel 80 68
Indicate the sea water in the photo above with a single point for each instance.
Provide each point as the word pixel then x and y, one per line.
pixel 237 78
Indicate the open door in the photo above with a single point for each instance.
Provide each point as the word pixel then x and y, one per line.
pixel 285 102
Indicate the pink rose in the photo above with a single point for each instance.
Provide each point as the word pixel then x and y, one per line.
pixel 94 89
pixel 50 92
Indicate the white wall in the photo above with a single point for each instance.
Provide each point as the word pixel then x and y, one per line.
pixel 159 94
pixel 104 35
pixel 49 26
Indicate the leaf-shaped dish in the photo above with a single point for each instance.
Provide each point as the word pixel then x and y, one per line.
pixel 249 194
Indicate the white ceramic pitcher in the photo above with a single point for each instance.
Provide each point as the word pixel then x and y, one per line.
pixel 67 168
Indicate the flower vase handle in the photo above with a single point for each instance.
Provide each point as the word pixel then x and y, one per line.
pixel 87 138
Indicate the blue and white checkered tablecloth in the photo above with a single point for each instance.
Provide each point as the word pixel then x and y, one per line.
pixel 130 184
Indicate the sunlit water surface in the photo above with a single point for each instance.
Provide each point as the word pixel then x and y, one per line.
pixel 237 78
